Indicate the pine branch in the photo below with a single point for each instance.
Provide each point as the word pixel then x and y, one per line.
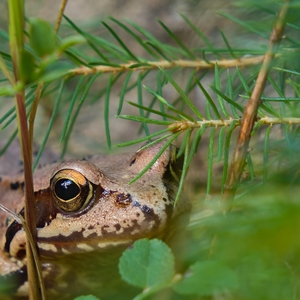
pixel 184 125
pixel 198 64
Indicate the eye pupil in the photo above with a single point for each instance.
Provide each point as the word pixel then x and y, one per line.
pixel 66 189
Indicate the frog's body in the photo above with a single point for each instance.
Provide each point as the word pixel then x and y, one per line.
pixel 87 209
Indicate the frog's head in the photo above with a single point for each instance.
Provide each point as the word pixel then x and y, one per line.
pixel 90 205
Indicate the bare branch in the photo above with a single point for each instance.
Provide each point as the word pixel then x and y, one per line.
pixel 250 113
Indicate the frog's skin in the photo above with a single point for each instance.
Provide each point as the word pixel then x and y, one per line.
pixel 105 214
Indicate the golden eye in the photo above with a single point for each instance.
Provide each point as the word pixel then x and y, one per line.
pixel 71 191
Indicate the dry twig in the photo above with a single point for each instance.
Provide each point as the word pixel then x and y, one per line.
pixel 250 112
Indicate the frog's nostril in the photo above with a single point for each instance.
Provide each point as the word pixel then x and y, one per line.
pixel 132 162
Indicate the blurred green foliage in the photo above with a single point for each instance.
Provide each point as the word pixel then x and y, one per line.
pixel 249 253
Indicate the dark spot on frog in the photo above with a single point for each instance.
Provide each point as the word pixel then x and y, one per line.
pixel 90 227
pixel 124 199
pixel 0 179
pixel 20 163
pixel 165 199
pixel 137 214
pixel 14 185
pixel 117 226
pixel 22 246
pixel 136 203
pixel 103 229
pixel 21 254
pixel 132 162
pixel 146 209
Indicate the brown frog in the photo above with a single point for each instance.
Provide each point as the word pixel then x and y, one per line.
pixel 86 212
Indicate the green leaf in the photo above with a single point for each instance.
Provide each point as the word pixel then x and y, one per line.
pixel 54 72
pixel 71 41
pixel 149 263
pixel 207 278
pixel 87 297
pixel 7 91
pixel 42 37
pixel 27 67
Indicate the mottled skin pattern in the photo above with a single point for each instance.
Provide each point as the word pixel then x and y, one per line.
pixel 115 215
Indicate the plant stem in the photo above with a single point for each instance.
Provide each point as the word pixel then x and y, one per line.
pixel 16 37
pixel 60 14
pixel 164 64
pixel 250 112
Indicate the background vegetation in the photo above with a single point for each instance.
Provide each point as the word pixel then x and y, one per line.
pixel 231 105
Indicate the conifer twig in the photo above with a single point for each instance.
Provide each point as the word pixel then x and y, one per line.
pixel 164 64
pixel 250 112
pixel 184 125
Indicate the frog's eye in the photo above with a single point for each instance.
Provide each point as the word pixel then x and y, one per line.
pixel 71 191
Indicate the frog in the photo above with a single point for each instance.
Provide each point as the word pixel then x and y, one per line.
pixel 87 213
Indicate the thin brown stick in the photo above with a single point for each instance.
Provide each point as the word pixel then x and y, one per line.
pixel 60 14
pixel 250 112
pixel 198 64
pixel 29 204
